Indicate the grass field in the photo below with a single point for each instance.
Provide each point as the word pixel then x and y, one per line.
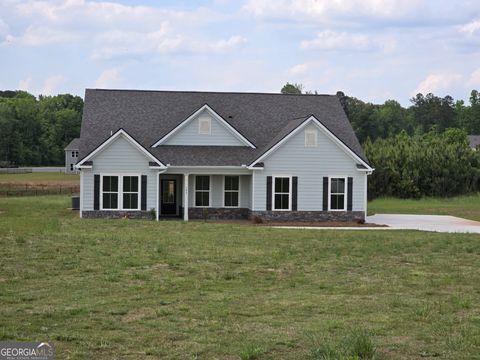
pixel 467 206
pixel 31 184
pixel 127 289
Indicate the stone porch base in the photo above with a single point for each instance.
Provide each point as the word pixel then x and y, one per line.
pixel 237 213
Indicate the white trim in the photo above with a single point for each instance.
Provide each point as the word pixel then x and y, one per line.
pixel 311 119
pixel 216 116
pixel 345 195
pixel 81 194
pixel 252 189
pixel 120 191
pixel 238 191
pixel 289 192
pixel 158 192
pixel 365 194
pixel 313 132
pixel 107 142
pixel 207 167
pixel 209 191
pixel 185 197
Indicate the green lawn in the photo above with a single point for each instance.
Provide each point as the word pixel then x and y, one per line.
pixel 126 289
pixel 467 206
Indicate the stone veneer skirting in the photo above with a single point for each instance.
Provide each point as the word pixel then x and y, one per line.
pixel 117 214
pixel 237 213
pixel 309 216
pixel 219 213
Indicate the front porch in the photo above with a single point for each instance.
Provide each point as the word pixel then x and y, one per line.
pixel 200 195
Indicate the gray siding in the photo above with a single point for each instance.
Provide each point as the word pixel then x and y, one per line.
pixel 69 160
pixel 219 135
pixel 310 164
pixel 120 157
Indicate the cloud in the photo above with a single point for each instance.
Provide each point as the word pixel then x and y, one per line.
pixel 474 79
pixel 229 44
pixel 470 28
pixel 36 35
pixel 25 84
pixel 332 40
pixel 108 79
pixel 437 82
pixel 328 9
pixel 298 69
pixel 50 87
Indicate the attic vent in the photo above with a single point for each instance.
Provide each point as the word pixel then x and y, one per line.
pixel 311 138
pixel 204 125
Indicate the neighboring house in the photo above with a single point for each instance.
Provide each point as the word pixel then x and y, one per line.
pixel 221 155
pixel 71 156
pixel 474 141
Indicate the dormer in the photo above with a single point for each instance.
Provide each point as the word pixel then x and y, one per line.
pixel 205 128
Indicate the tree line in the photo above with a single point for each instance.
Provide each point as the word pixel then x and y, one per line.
pixel 420 150
pixel 35 131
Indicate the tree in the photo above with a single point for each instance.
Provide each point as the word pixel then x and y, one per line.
pixel 292 88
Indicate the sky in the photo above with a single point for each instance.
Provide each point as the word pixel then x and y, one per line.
pixel 374 50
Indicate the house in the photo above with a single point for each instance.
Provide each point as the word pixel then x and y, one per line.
pixel 220 155
pixel 474 141
pixel 71 156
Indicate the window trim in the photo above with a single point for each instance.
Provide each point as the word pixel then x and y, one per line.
pixel 315 133
pixel 209 191
pixel 120 191
pixel 345 178
pixel 238 191
pixel 204 119
pixel 289 192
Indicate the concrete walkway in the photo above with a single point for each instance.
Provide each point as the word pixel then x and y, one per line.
pixel 439 223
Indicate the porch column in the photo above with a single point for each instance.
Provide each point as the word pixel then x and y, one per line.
pixel 159 192
pixel 185 197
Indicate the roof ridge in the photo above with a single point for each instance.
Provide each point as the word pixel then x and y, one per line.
pixel 209 92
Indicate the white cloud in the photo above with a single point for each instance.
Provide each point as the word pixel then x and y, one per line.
pixel 108 79
pixel 39 36
pixel 470 28
pixel 50 87
pixel 326 9
pixel 332 40
pixel 298 69
pixel 25 84
pixel 474 79
pixel 229 44
pixel 437 82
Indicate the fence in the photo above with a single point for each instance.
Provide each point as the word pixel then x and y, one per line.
pixel 15 170
pixel 26 190
pixel 24 170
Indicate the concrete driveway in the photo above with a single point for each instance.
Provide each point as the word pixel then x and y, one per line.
pixel 439 223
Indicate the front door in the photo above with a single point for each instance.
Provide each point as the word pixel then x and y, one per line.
pixel 169 197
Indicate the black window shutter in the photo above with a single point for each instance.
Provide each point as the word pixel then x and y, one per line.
pixel 96 192
pixel 294 193
pixel 325 193
pixel 350 194
pixel 269 193
pixel 144 192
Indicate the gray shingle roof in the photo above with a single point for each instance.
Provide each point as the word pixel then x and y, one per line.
pixel 474 141
pixel 73 145
pixel 263 119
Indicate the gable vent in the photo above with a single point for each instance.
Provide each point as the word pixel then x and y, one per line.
pixel 204 124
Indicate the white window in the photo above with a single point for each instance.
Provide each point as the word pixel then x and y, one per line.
pixel 337 197
pixel 73 153
pixel 71 167
pixel 202 191
pixel 120 192
pixel 110 192
pixel 310 138
pixel 282 191
pixel 204 125
pixel 76 153
pixel 231 191
pixel 130 192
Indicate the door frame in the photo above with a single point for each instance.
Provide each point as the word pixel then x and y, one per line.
pixel 177 186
